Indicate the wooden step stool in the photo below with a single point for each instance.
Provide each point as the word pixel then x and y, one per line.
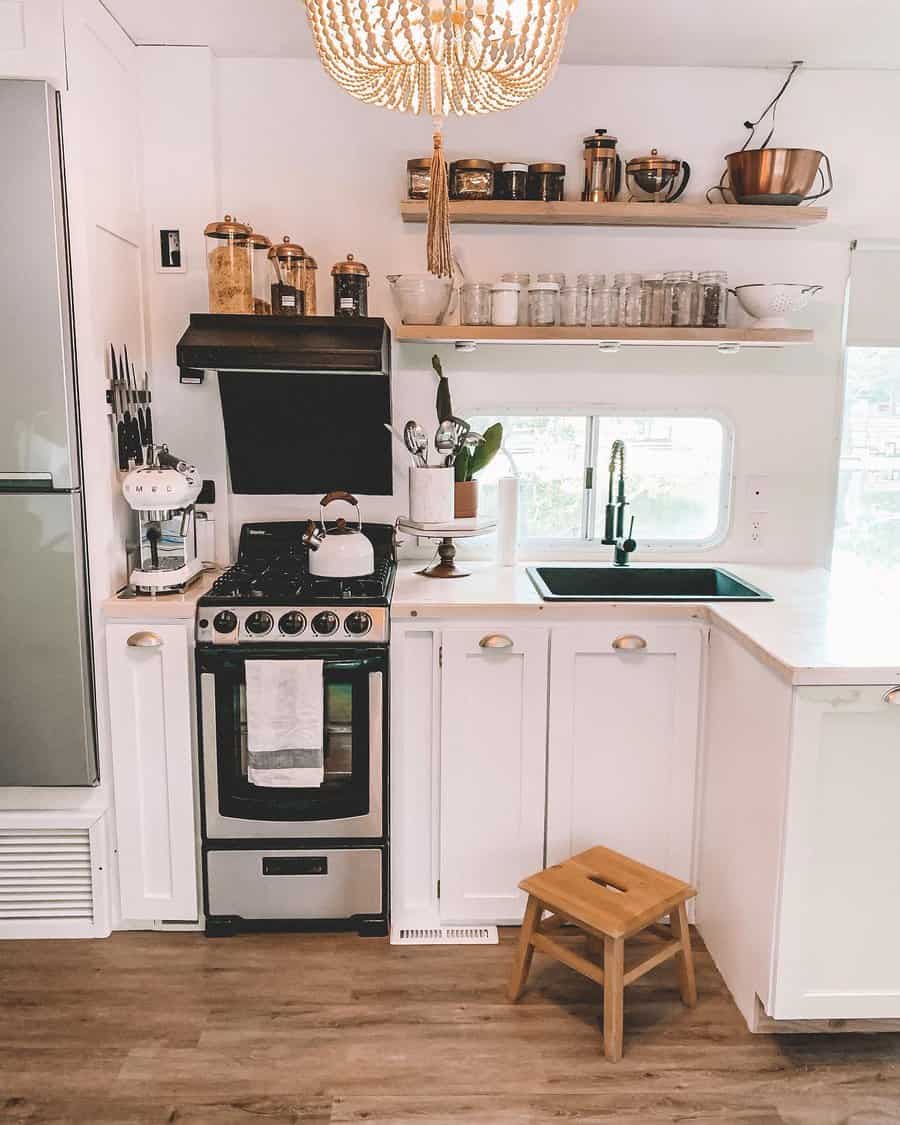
pixel 610 897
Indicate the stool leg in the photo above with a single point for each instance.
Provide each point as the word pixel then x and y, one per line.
pixel 685 959
pixel 613 996
pixel 524 950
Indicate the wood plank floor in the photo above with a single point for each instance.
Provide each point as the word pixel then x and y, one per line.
pixel 143 1029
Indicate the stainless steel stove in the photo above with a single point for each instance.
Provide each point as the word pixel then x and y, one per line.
pixel 312 857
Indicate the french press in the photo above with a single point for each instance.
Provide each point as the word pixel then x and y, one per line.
pixel 602 168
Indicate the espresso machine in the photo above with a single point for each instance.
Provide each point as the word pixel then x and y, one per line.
pixel 162 494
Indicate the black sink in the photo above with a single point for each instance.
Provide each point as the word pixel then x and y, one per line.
pixel 641 584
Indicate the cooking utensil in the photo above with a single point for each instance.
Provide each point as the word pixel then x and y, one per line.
pixel 342 552
pixel 446 441
pixel 416 442
pixel 772 304
pixel 657 177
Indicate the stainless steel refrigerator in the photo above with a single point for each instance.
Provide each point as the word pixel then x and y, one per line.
pixel 46 696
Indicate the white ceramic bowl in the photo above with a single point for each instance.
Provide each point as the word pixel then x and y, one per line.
pixel 772 304
pixel 421 298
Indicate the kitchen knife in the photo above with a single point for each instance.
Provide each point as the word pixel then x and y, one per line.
pixel 142 423
pixel 134 431
pixel 121 432
pixel 148 417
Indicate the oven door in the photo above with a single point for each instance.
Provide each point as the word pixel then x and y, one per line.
pixel 349 803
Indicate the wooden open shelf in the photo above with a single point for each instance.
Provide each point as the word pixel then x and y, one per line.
pixel 576 213
pixel 465 335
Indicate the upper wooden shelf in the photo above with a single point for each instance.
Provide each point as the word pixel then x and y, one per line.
pixel 578 214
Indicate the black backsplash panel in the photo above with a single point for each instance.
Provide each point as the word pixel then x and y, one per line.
pixel 307 433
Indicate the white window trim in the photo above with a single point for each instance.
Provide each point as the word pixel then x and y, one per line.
pixel 607 410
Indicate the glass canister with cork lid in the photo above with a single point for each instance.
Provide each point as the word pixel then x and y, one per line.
pixel 288 289
pixel 351 285
pixel 259 260
pixel 309 293
pixel 229 266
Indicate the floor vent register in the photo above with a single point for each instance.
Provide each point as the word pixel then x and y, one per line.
pixel 444 935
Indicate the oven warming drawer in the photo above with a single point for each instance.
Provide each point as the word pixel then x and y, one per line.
pixel 281 884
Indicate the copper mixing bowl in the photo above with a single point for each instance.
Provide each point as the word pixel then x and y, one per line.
pixel 776 175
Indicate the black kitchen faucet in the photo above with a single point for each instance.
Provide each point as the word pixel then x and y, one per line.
pixel 615 508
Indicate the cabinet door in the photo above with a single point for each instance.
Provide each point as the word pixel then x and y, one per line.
pixel 624 715
pixel 32 41
pixel 493 766
pixel 836 953
pixel 152 751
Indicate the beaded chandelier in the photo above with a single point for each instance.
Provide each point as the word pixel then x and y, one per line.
pixel 440 56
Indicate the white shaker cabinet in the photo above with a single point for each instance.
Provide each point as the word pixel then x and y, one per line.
pixel 493 730
pixel 150 678
pixel 32 41
pixel 623 743
pixel 839 916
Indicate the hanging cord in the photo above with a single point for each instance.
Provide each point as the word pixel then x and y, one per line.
pixel 439 253
pixel 773 106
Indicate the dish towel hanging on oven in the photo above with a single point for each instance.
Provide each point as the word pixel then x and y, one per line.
pixel 285 723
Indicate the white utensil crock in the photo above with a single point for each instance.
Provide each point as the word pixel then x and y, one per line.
pixel 431 495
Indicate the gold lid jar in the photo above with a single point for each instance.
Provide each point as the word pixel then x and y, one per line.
pixel 260 246
pixel 229 266
pixel 351 284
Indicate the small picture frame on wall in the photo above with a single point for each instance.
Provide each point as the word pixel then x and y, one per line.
pixel 169 250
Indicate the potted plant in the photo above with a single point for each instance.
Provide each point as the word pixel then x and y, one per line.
pixel 468 463
pixel 470 459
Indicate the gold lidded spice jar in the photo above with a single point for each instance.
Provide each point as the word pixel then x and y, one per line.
pixel 229 267
pixel 418 177
pixel 288 289
pixel 309 292
pixel 351 286
pixel 259 262
pixel 471 179
pixel 546 182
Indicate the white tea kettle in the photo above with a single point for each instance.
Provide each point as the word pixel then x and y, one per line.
pixel 343 552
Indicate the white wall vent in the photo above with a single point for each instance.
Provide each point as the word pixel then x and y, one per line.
pixel 53 875
pixel 444 935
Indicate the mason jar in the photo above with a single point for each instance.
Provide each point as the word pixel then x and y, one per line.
pixel 475 303
pixel 629 287
pixel 523 280
pixel 604 306
pixel 680 298
pixel 573 306
pixel 653 291
pixel 543 304
pixel 712 304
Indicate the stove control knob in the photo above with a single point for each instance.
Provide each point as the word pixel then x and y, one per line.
pixel 225 622
pixel 325 623
pixel 358 624
pixel 259 623
pixel 292 624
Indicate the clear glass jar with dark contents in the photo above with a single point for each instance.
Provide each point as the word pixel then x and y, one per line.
pixel 418 177
pixel 511 182
pixel 546 182
pixel 471 179
pixel 351 288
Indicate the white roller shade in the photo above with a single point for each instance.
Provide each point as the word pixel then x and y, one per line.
pixel 874 313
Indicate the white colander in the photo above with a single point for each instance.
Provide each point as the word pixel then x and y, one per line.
pixel 772 304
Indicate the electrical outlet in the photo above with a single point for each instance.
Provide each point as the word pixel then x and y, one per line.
pixel 757 528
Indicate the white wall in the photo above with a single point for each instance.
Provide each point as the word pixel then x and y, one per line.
pixel 298 156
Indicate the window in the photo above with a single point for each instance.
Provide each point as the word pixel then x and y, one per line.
pixel 678 472
pixel 867 523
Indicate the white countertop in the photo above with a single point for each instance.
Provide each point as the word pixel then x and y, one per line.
pixel 163 607
pixel 816 631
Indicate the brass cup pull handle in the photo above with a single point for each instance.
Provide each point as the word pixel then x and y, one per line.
pixel 144 640
pixel 892 695
pixel 496 641
pixel 630 642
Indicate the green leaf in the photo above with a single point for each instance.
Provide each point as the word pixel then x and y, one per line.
pixel 463 465
pixel 488 450
pixel 443 405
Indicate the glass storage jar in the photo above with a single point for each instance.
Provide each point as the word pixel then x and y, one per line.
pixel 475 303
pixel 543 304
pixel 629 287
pixel 262 279
pixel 309 290
pixel 573 306
pixel 546 182
pixel 471 179
pixel 653 305
pixel 351 288
pixel 680 298
pixel 511 182
pixel 418 177
pixel 505 303
pixel 604 306
pixel 289 287
pixel 229 266
pixel 592 280
pixel 523 280
pixel 712 305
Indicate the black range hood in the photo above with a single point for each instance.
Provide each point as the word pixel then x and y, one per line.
pixel 221 342
pixel 304 400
